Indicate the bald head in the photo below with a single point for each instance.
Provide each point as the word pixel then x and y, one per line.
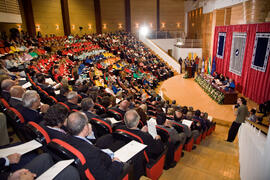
pixel 76 123
pixel 132 119
pixel 16 91
pixel 7 84
pixel 124 105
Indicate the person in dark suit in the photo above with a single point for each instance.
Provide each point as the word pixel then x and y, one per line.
pixel 5 88
pixel 55 121
pixel 101 165
pixel 34 168
pixel 46 87
pixel 63 93
pixel 87 105
pixel 31 102
pixel 180 61
pixel 72 100
pixel 16 93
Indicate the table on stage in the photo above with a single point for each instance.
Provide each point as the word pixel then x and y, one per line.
pixel 215 91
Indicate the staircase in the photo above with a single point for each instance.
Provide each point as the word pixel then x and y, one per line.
pixel 213 159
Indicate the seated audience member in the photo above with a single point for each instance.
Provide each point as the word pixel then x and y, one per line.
pixel 141 110
pixel 62 97
pixel 87 105
pixel 72 100
pixel 197 117
pixel 46 87
pixel 188 132
pixel 55 121
pixel 34 168
pixel 216 75
pixel 101 165
pixel 4 140
pixel 122 107
pixel 31 104
pixel 155 146
pixel 252 116
pixel 5 88
pixel 16 93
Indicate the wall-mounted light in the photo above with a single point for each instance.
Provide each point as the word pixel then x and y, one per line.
pixel 163 25
pixel 38 27
pixel 137 25
pixel 73 26
pixel 89 26
pixel 19 27
pixel 178 25
pixel 120 26
pixel 57 27
pixel 192 13
pixel 192 24
pixel 104 26
pixel 151 25
pixel 200 11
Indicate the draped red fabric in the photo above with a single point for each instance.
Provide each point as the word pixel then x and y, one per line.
pixel 252 83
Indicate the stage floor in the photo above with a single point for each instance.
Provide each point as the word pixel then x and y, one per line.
pixel 187 92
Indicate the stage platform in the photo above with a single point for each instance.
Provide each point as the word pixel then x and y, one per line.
pixel 187 92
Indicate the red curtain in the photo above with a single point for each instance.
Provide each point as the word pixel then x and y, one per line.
pixel 252 83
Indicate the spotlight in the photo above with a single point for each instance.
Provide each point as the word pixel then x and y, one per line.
pixel 144 30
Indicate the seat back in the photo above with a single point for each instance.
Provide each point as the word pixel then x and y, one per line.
pixel 100 127
pixel 39 133
pixel 65 151
pixel 16 120
pixel 99 109
pixel 116 115
pixel 3 105
pixel 164 134
pixel 179 128
pixel 66 106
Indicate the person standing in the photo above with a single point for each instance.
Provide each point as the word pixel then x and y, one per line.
pixel 180 61
pixel 241 112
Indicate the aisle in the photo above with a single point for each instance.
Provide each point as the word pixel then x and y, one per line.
pixel 213 159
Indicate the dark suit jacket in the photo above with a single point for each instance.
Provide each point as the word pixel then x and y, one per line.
pixel 3 175
pixel 30 115
pixel 17 104
pixel 54 134
pixel 72 106
pixel 98 162
pixel 48 89
pixel 5 95
pixel 61 98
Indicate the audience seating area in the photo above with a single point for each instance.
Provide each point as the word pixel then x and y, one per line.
pixel 110 74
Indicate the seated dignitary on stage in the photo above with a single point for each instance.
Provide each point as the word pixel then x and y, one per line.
pixel 34 168
pixel 16 93
pixel 101 165
pixel 31 104
pixel 72 100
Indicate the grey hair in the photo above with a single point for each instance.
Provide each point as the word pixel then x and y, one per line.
pixel 134 121
pixel 29 98
pixel 87 103
pixel 76 122
pixel 71 95
pixel 7 84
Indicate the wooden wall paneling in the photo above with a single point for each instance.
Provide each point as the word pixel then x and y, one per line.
pixel 114 18
pixel 29 17
pixel 127 16
pixel 82 14
pixel 65 17
pixel 98 16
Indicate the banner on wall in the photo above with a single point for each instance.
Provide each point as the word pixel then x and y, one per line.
pixel 237 53
pixel 221 44
pixel 261 52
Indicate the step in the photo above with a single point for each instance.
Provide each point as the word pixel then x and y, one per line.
pixel 214 167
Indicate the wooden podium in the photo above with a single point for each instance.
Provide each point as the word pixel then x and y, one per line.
pixel 189 72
